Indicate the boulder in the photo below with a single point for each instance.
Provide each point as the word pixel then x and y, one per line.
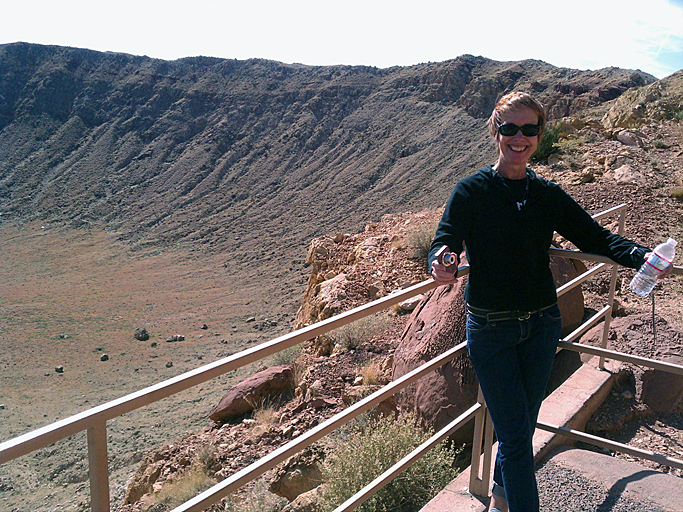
pixel 330 295
pixel 245 396
pixel 571 303
pixel 630 138
pixel 141 334
pixel 311 501
pixel 625 174
pixel 297 475
pixel 438 324
pixel 410 304
pixel 143 480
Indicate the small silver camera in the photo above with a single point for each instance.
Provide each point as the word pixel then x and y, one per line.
pixel 446 257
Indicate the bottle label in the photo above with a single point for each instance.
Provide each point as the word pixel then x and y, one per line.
pixel 656 261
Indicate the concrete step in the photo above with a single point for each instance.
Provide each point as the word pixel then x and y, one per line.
pixel 571 405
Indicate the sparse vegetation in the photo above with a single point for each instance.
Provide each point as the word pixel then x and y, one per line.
pixel 419 240
pixel 659 144
pixel 352 335
pixel 255 499
pixel 286 356
pixel 371 448
pixel 265 414
pixel 546 145
pixel 184 487
pixel 207 456
pixel 570 148
pixel 677 193
pixel 678 116
pixel 371 374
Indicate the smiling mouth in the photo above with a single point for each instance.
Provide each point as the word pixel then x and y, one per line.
pixel 517 149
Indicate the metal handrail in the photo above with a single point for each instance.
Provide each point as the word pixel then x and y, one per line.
pixel 577 435
pixel 218 491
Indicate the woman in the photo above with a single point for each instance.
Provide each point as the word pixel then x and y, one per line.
pixel 506 216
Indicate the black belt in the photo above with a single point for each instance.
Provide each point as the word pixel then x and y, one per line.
pixel 500 316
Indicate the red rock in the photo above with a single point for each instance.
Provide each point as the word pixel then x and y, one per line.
pixel 243 397
pixel 438 324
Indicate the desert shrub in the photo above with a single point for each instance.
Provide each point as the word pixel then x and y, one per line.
pixel 371 448
pixel 678 116
pixel 677 193
pixel 207 456
pixel 659 144
pixel 352 335
pixel 419 240
pixel 570 147
pixel 546 146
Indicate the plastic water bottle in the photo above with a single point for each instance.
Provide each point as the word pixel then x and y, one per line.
pixel 646 278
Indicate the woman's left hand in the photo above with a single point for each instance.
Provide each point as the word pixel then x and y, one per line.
pixel 664 273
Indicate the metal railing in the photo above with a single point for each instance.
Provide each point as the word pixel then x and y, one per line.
pixel 94 420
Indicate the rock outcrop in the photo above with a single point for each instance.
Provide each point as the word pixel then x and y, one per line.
pixel 298 475
pixel 348 270
pixel 435 326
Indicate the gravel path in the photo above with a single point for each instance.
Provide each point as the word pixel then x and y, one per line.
pixel 563 490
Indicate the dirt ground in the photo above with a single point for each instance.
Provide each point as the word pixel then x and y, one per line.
pixel 67 298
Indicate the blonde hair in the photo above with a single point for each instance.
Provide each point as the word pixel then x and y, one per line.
pixel 510 102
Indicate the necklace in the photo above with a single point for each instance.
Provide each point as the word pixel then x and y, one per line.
pixel 520 204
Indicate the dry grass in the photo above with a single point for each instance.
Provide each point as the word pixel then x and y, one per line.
pixel 353 335
pixel 419 240
pixel 183 488
pixel 255 498
pixel 265 414
pixel 207 456
pixel 286 356
pixel 371 374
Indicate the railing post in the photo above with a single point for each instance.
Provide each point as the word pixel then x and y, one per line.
pixel 98 467
pixel 612 291
pixel 488 452
pixel 479 485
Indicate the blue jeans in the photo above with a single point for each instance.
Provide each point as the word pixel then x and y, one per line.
pixel 513 360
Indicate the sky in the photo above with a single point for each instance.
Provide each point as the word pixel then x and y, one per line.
pixel 578 34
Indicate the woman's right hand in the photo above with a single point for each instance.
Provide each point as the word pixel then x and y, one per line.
pixel 443 274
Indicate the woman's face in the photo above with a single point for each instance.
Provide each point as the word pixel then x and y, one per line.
pixel 517 149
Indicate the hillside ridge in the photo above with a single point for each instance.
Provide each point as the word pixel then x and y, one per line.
pixel 224 153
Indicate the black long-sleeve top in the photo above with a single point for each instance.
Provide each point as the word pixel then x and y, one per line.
pixel 507 248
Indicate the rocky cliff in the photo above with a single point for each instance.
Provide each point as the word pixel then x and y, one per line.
pixel 234 154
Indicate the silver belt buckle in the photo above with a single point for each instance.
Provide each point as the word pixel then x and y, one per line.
pixel 526 316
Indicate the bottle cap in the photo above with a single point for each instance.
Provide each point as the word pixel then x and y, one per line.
pixel 671 242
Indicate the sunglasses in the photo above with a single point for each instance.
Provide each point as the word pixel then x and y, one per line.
pixel 510 130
